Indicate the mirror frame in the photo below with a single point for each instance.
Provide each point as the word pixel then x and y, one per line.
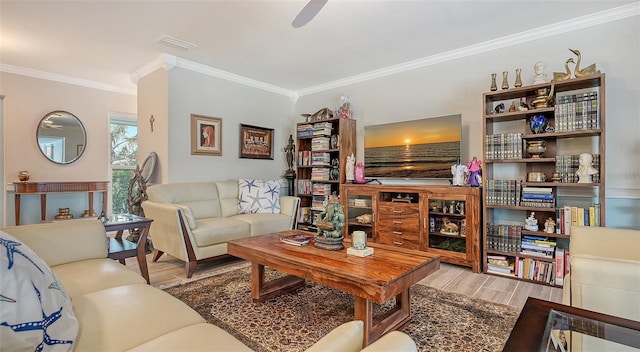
pixel 148 166
pixel 84 136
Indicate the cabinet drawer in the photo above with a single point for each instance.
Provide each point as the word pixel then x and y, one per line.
pixel 399 224
pixel 409 239
pixel 398 210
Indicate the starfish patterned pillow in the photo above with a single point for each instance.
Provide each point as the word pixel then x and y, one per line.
pixel 258 196
pixel 35 310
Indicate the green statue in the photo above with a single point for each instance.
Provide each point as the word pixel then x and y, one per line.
pixel 331 219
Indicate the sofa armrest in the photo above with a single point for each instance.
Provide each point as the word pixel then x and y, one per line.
pixel 166 232
pixel 65 241
pixel 289 206
pixel 606 285
pixel 396 341
pixel 345 338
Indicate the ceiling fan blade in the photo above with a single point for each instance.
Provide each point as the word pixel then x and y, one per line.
pixel 308 12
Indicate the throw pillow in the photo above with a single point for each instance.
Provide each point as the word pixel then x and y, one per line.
pixel 35 310
pixel 258 196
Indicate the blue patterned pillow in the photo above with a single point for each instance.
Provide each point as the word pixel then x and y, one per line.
pixel 35 310
pixel 258 196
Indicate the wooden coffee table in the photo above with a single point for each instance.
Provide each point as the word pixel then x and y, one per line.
pixel 386 274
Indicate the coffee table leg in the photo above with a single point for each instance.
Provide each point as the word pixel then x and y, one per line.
pixel 262 290
pixel 399 315
pixel 141 253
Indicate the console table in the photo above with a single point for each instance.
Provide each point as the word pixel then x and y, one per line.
pixel 44 188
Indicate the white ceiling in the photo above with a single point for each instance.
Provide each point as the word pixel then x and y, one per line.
pixel 107 41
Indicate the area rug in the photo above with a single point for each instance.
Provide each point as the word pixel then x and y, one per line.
pixel 441 321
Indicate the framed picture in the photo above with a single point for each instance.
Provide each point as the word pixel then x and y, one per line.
pixel 79 149
pixel 256 142
pixel 206 135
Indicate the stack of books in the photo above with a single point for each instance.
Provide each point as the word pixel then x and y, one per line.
pixel 320 158
pixel 297 240
pixel 321 189
pixel 320 143
pixel 499 264
pixel 504 238
pixel 541 197
pixel 568 216
pixel 305 130
pixel 503 192
pixel 538 246
pixel 320 174
pixel 304 186
pixel 322 129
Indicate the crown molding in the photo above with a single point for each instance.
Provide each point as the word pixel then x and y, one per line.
pixel 594 19
pixel 164 61
pixel 67 79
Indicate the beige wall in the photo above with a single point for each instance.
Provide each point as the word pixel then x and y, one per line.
pixel 26 101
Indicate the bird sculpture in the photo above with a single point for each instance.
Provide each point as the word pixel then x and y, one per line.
pixel 561 76
pixel 589 70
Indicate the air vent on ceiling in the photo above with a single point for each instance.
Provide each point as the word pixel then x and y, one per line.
pixel 175 42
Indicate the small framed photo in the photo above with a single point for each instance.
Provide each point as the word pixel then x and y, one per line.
pixel 256 142
pixel 206 135
pixel 79 149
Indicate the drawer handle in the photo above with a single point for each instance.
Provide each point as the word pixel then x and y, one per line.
pixel 397 211
pixel 397 232
pixel 397 222
pixel 397 243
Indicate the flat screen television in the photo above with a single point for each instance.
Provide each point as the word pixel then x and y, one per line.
pixel 424 148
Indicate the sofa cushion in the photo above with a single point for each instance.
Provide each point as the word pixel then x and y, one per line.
pixel 80 278
pixel 219 230
pixel 258 196
pixel 266 223
pixel 200 197
pixel 120 318
pixel 199 337
pixel 228 194
pixel 35 311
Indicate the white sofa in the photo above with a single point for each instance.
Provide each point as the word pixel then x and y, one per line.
pixel 193 221
pixel 115 308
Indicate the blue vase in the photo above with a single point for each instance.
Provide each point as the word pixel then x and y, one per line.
pixel 537 124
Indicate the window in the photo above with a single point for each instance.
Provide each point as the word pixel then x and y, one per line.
pixel 123 131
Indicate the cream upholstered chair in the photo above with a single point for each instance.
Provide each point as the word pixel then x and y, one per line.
pixel 348 337
pixel 605 271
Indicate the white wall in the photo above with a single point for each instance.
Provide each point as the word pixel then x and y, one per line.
pixel 26 101
pixel 457 87
pixel 193 93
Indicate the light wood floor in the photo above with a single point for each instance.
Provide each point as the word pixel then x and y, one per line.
pixel 168 271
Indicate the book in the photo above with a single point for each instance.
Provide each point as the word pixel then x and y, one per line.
pixel 559 274
pixel 297 240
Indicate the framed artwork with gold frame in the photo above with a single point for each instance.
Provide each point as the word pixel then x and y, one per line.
pixel 206 135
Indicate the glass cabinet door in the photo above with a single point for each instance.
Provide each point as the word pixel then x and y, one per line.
pixel 360 215
pixel 447 225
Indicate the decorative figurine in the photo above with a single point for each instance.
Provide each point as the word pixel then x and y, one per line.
pixel 475 171
pixel 518 78
pixel 587 71
pixel 550 225
pixel 345 108
pixel 459 171
pixel 505 81
pixel 531 223
pixel 330 225
pixel 585 170
pixel 523 106
pixel 540 76
pixel 543 98
pixel 561 76
pixel 289 151
pixel 499 109
pixel 512 108
pixel 494 87
pixel 351 162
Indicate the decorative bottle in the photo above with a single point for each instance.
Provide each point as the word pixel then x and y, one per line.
pixel 518 79
pixel 359 173
pixel 494 87
pixel 505 81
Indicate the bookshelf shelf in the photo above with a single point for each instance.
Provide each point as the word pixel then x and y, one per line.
pixel 577 113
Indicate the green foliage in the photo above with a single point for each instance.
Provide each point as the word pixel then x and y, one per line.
pixel 120 185
pixel 124 144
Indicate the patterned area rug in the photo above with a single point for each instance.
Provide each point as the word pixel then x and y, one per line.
pixel 441 321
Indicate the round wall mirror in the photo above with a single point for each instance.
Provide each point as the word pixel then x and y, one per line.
pixel 61 137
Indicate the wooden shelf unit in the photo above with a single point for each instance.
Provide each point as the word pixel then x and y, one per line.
pixel 342 143
pixel 585 133
pixel 412 217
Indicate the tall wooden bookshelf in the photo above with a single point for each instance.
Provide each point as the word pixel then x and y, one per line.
pixel 577 113
pixel 323 147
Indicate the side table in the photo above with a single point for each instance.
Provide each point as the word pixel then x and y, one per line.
pixel 120 248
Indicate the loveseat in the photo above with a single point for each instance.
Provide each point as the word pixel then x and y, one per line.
pixel 58 279
pixel 193 221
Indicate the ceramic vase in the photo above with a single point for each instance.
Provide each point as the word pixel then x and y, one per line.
pixel 494 86
pixel 518 79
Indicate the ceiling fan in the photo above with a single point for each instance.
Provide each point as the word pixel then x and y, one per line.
pixel 50 124
pixel 308 12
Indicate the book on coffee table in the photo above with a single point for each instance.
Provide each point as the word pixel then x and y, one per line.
pixel 297 240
